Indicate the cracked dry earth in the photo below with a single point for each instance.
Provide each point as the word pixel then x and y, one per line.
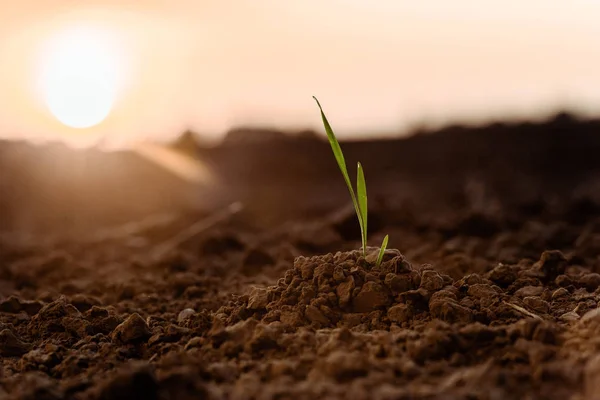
pixel 237 315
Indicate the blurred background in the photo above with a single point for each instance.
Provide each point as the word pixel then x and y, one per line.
pixel 86 87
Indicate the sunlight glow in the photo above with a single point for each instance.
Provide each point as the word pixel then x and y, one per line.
pixel 79 76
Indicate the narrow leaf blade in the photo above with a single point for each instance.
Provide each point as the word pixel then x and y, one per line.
pixel 382 250
pixel 361 196
pixel 335 146
pixel 339 156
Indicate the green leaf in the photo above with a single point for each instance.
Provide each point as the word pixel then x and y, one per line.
pixel 339 156
pixel 361 195
pixel 382 250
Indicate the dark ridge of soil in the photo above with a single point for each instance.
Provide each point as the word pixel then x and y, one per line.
pixel 493 293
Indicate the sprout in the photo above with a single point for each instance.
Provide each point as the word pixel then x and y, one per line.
pixel 359 200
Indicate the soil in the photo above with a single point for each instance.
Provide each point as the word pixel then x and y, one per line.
pixel 490 288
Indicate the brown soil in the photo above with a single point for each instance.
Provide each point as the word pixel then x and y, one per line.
pixel 493 292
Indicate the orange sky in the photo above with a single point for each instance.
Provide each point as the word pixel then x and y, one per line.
pixel 211 64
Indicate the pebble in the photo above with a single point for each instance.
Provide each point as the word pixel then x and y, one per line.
pixel 133 329
pixel 560 292
pixel 529 291
pixel 185 314
pixel 569 316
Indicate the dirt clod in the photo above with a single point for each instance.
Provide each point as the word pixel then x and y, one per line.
pixel 133 330
pixel 11 345
pixel 372 296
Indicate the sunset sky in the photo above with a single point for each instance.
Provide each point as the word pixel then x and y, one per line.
pixel 375 65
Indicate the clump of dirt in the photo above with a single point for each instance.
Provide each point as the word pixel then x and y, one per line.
pixel 343 290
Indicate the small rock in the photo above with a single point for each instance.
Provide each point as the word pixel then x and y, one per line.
pixel 133 329
pixel 258 298
pixel 11 345
pixel 431 281
pixel 591 281
pixel 529 291
pixel 400 313
pixel 313 314
pixel 537 304
pixel 185 314
pixel 569 317
pixel 196 341
pixel 373 295
pixel 560 292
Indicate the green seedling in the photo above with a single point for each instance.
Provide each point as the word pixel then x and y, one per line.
pixel 359 200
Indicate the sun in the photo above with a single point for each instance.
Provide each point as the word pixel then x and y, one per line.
pixel 78 76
